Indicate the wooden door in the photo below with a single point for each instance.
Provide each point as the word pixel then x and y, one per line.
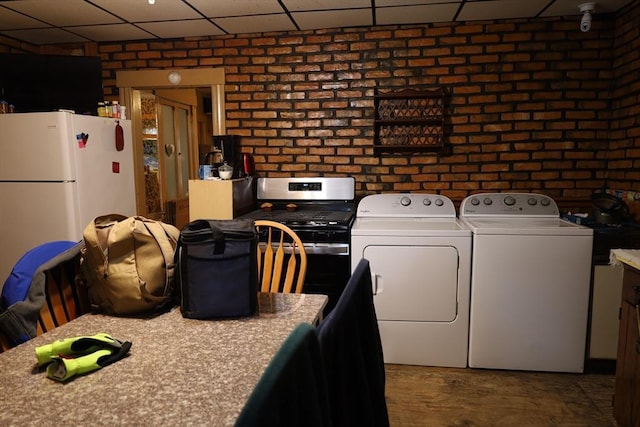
pixel 174 130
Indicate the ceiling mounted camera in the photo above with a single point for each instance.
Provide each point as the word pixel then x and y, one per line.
pixel 586 9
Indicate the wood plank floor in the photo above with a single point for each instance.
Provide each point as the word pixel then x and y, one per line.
pixel 429 396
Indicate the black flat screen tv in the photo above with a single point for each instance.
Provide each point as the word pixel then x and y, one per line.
pixel 34 83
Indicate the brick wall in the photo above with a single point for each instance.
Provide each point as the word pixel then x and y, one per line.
pixel 623 155
pixel 532 105
pixel 528 101
pixel 624 142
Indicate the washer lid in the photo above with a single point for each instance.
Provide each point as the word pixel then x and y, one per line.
pixel 526 226
pixel 409 227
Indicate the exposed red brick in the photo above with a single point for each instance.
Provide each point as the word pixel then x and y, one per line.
pixel 531 105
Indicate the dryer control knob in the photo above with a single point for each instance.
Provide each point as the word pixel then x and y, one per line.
pixel 405 201
pixel 532 201
pixel 475 202
pixel 545 202
pixel 426 202
pixel 439 202
pixel 487 201
pixel 509 201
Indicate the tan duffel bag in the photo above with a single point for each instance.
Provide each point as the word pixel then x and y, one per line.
pixel 128 263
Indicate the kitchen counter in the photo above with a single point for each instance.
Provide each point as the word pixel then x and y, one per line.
pixel 630 257
pixel 626 402
pixel 179 371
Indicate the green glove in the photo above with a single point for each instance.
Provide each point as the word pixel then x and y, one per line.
pixel 62 369
pixel 77 346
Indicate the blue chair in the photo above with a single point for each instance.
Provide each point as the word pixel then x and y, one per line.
pixel 41 292
pixel 293 389
pixel 352 350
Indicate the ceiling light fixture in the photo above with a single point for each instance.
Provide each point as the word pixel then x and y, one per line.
pixel 586 9
pixel 152 1
pixel 174 77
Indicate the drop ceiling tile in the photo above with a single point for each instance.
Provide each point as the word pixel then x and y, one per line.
pixel 256 24
pixel 11 20
pixel 165 18
pixel 333 18
pixel 570 7
pixel 142 11
pixel 224 8
pixel 383 3
pixel 416 14
pixel 45 36
pixel 501 9
pixel 112 32
pixel 53 13
pixel 177 29
pixel 302 5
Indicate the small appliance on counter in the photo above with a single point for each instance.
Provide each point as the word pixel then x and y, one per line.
pixel 609 209
pixel 225 171
pixel 225 155
pixel 228 147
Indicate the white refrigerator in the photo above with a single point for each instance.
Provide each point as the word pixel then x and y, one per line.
pixel 54 179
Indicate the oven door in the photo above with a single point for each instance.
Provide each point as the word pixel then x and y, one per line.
pixel 328 271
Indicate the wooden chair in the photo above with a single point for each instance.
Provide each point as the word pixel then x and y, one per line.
pixel 271 259
pixel 66 297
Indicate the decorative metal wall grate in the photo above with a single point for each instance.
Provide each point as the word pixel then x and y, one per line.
pixel 409 120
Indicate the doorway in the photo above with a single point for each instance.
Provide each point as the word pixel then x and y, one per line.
pixel 169 123
pixel 174 136
pixel 167 116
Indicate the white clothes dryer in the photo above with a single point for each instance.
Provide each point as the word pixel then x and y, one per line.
pixel 530 279
pixel 420 260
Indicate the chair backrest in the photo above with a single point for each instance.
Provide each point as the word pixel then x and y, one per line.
pixel 66 297
pixel 292 390
pixel 4 342
pixel 283 249
pixel 55 297
pixel 352 351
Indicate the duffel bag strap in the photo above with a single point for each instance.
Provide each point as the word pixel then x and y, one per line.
pixel 158 232
pixel 96 235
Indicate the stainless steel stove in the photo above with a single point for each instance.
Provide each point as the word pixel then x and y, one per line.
pixel 321 211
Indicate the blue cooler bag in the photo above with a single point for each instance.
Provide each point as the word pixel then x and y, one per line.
pixel 217 271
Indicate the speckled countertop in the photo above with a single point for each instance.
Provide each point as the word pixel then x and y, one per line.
pixel 180 372
pixel 631 257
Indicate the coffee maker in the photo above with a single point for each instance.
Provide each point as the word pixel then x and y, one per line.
pixel 226 149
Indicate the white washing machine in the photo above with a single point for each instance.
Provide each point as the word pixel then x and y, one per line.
pixel 530 280
pixel 420 259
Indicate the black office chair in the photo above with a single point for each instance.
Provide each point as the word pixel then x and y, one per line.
pixel 352 350
pixel 293 389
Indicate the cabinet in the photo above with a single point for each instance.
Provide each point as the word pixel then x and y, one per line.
pixel 220 199
pixel 626 404
pixel 409 121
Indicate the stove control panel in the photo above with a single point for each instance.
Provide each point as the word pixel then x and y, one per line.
pixel 509 204
pixel 406 205
pixel 306 189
